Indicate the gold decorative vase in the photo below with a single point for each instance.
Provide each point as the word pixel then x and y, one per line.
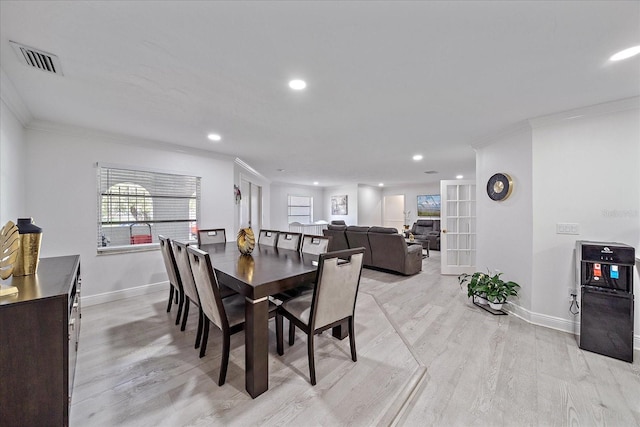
pixel 246 241
pixel 29 251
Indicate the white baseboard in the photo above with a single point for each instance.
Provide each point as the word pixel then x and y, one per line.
pixel 551 322
pixel 124 293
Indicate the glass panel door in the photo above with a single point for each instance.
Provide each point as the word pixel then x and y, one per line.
pixel 458 219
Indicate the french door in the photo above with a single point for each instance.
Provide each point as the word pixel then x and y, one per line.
pixel 458 224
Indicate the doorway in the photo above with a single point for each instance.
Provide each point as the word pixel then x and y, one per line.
pixel 250 205
pixel 392 211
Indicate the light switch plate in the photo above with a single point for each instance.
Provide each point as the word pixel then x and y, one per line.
pixel 567 228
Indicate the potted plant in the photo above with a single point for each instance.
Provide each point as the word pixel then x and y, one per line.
pixel 489 287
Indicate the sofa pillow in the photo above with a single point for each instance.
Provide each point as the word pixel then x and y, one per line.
pixel 383 230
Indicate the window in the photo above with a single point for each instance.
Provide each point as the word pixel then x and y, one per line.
pixel 300 209
pixel 136 206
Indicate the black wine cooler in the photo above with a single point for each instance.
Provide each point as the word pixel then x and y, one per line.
pixel 605 280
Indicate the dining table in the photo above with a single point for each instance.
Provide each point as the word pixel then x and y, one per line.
pixel 257 276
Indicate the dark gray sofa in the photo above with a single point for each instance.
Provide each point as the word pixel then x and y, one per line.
pixel 338 240
pixel 383 247
pixel 427 230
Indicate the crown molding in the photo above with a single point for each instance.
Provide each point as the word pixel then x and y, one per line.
pixel 123 139
pixel 10 96
pixel 487 140
pixel 587 112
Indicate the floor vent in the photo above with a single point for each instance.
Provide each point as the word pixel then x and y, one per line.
pixel 37 59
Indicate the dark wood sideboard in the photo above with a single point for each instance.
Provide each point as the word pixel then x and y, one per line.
pixel 39 331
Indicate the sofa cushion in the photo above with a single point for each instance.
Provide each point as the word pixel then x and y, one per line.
pixel 336 227
pixel 358 228
pixel 384 230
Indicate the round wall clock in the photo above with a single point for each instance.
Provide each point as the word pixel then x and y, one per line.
pixel 499 186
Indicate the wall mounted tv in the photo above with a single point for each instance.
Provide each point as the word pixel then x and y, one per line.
pixel 429 205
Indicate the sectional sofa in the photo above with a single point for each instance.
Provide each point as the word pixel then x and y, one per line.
pixel 384 248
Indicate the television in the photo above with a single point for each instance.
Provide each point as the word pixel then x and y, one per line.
pixel 429 205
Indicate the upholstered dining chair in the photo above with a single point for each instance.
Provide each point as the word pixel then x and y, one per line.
pixel 210 236
pixel 332 302
pixel 227 314
pixel 268 237
pixel 175 282
pixel 287 240
pixel 315 245
pixel 189 287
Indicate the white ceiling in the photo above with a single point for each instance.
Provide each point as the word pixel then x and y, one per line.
pixel 386 80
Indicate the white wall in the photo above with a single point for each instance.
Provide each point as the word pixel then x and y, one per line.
pixel 369 205
pixel 62 198
pixel 279 202
pixel 352 199
pixel 12 167
pixel 411 193
pixel 580 166
pixel 504 229
pixel 585 171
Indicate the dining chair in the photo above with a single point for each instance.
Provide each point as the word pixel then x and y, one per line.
pixel 188 285
pixel 210 236
pixel 268 237
pixel 315 245
pixel 332 302
pixel 287 240
pixel 227 314
pixel 175 282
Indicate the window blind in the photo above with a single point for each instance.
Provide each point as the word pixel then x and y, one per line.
pixel 135 206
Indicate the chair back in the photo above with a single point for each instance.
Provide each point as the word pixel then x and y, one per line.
pixel 288 240
pixel 210 236
pixel 207 286
pixel 169 261
pixel 268 237
pixel 334 297
pixel 184 269
pixel 315 245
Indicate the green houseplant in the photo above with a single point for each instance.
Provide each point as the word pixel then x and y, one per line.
pixel 490 287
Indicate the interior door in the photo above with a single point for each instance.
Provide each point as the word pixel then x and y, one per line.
pixel 250 205
pixel 458 223
pixel 392 212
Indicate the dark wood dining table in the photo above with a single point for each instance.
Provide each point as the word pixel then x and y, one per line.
pixel 265 272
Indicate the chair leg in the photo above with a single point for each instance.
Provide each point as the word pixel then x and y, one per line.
pixel 180 305
pixel 352 340
pixel 170 297
pixel 279 333
pixel 292 333
pixel 226 344
pixel 199 331
pixel 205 338
pixel 312 365
pixel 185 314
pixel 176 296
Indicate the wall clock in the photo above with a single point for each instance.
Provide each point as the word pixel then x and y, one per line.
pixel 499 186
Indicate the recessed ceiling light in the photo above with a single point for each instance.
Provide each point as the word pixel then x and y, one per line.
pixel 381 184
pixel 297 84
pixel 214 137
pixel 459 176
pixel 417 157
pixel 315 182
pixel 624 54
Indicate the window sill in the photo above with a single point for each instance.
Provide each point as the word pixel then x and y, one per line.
pixel 111 250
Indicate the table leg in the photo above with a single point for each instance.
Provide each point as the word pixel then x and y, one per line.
pixel 256 337
pixel 341 331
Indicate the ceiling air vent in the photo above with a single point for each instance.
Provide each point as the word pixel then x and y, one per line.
pixel 430 172
pixel 36 58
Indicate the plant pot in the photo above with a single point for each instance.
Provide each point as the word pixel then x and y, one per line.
pixel 495 305
pixel 479 299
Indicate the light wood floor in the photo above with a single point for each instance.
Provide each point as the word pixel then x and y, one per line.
pixel 426 356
